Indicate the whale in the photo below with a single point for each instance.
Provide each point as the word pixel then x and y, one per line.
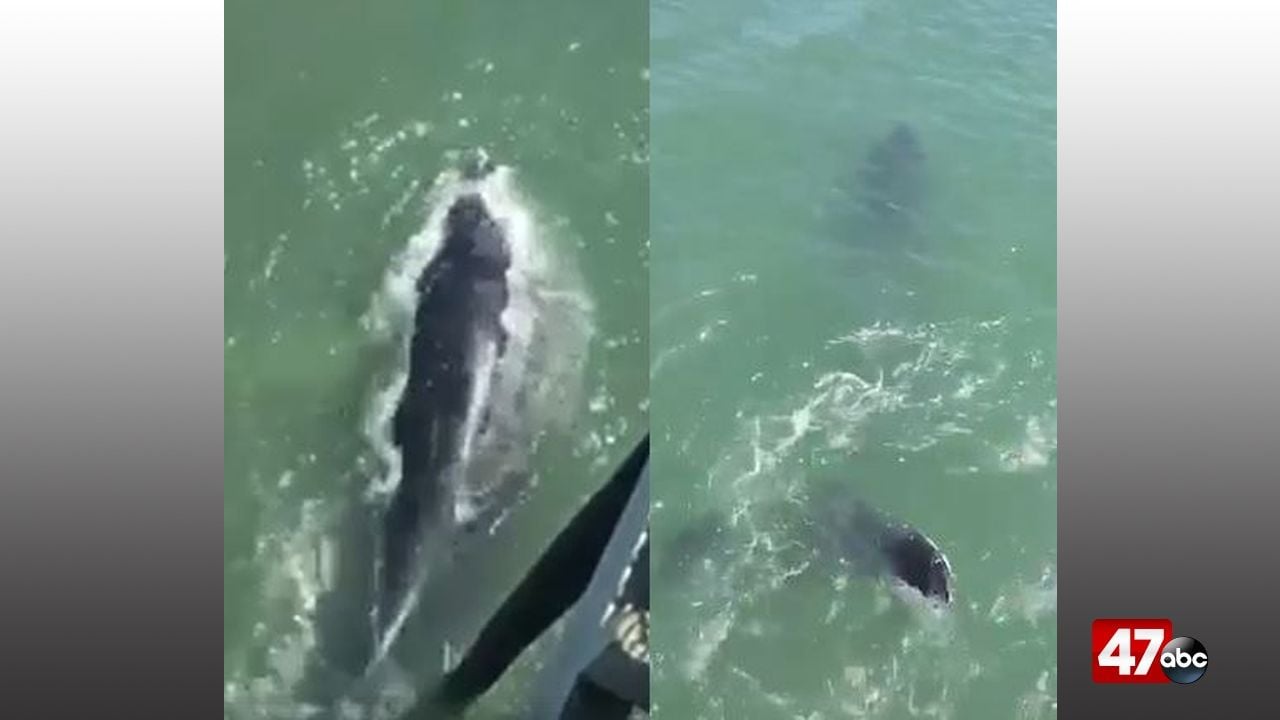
pixel 456 346
pixel 839 528
pixel 873 542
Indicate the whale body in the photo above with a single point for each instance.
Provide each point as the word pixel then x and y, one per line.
pixel 456 346
pixel 838 527
pixel 873 542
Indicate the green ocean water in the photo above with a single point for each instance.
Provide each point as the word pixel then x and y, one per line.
pixel 796 347
pixel 339 119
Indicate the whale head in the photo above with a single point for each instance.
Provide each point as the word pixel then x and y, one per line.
pixel 918 563
pixel 474 237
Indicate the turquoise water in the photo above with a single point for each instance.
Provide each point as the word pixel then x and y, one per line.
pixel 340 119
pixel 795 346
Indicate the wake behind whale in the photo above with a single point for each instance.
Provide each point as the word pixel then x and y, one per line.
pixel 493 333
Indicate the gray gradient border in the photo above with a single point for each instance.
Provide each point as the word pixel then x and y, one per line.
pixel 111 353
pixel 111 382
pixel 1169 410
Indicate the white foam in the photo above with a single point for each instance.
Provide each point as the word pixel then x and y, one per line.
pixel 296 569
pixel 710 637
pixel 1034 449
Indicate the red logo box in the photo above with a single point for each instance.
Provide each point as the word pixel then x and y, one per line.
pixel 1128 650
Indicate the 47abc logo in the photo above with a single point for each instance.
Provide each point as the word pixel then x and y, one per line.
pixel 1182 660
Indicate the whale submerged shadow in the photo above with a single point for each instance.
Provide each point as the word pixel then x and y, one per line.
pixel 892 178
pixel 877 204
pixel 875 231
